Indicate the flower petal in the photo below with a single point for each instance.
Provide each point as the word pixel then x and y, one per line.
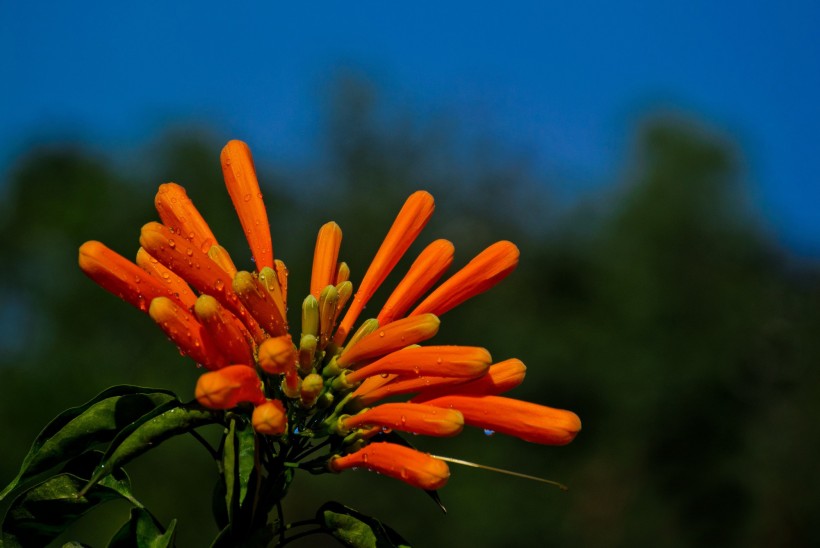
pixel 525 420
pixel 487 269
pixel 119 276
pixel 229 386
pixel 243 187
pixel 177 287
pixel 178 212
pixel 226 330
pixel 186 332
pixel 195 267
pixel 398 462
pixel 437 361
pixel 415 213
pixel 422 275
pixel 325 256
pixel 388 339
pixel 408 417
pixel 500 377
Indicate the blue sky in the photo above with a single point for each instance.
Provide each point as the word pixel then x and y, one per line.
pixel 566 82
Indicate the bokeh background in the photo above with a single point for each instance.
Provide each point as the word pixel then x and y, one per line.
pixel 657 164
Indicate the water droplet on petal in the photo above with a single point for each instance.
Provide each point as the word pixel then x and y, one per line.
pixel 172 244
pixel 247 198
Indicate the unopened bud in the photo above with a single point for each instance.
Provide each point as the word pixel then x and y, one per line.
pixel 328 304
pixel 310 316
pixel 307 351
pixel 343 273
pixel 270 418
pixel 277 355
pixel 312 386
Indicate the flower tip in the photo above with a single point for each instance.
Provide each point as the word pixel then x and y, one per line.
pixel 270 418
pixel 229 386
pixel 277 355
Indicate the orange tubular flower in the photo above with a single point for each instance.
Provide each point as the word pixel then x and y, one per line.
pixel 178 213
pixel 189 335
pixel 243 187
pixel 228 387
pixel 225 329
pixel 176 285
pixel 435 361
pixel 500 377
pixel 325 257
pixel 408 417
pixel 424 272
pixel 119 276
pixel 487 269
pixel 398 462
pixel 320 387
pixel 388 339
pixel 259 303
pixel 413 216
pixel 525 420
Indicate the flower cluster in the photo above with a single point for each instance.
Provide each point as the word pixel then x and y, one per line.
pixel 328 384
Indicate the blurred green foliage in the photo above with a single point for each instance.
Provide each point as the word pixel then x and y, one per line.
pixel 658 311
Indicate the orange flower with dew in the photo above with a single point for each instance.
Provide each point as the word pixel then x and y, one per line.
pixel 317 381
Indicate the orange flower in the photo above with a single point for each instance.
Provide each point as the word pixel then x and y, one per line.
pixel 178 213
pixel 243 187
pixel 228 387
pixel 395 336
pixel 325 257
pixel 435 361
pixel 487 269
pixel 423 274
pixel 225 329
pixel 408 224
pixel 270 418
pixel 500 377
pixel 234 322
pixel 120 276
pixel 189 335
pixel 408 417
pixel 528 421
pixel 177 287
pixel 396 461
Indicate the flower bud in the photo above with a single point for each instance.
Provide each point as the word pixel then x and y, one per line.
pixel 270 418
pixel 277 355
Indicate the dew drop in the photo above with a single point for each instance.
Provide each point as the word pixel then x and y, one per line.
pixel 189 252
pixel 384 375
pixel 172 244
pixel 247 198
pixel 364 457
pixel 219 284
pixel 438 360
pixel 381 333
pixel 488 432
pixel 403 419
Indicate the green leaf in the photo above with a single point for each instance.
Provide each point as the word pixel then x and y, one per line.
pixel 239 462
pixel 143 530
pixel 81 428
pixel 357 530
pixel 164 422
pixel 41 513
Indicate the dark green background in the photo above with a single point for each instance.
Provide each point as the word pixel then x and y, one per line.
pixel 657 309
